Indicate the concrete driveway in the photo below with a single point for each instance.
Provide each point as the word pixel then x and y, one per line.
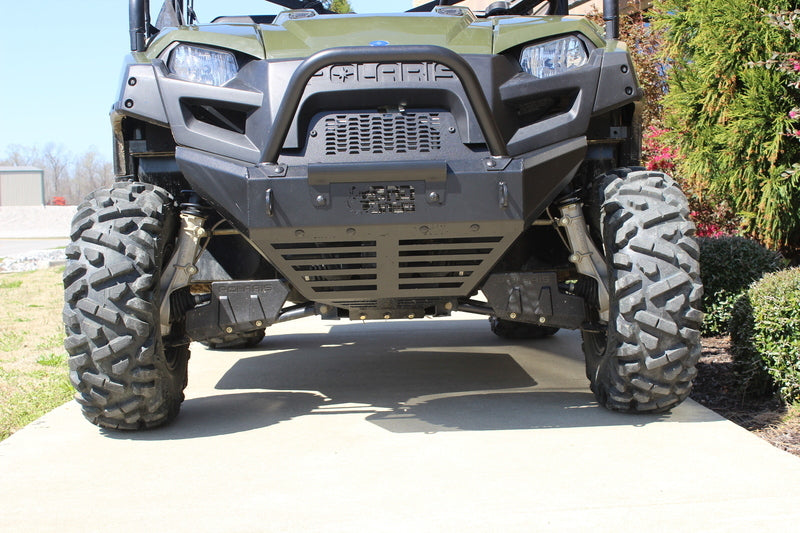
pixel 431 425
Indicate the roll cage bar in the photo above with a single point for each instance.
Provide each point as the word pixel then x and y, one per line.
pixel 179 12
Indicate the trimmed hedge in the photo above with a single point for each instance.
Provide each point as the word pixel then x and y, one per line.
pixel 765 336
pixel 728 265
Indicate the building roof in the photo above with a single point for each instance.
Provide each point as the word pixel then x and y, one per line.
pixel 20 169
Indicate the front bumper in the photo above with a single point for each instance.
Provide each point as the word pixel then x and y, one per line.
pixel 363 233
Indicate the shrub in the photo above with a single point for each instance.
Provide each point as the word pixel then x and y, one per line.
pixel 728 265
pixel 729 113
pixel 765 335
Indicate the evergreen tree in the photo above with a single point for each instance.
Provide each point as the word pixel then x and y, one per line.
pixel 730 113
pixel 339 6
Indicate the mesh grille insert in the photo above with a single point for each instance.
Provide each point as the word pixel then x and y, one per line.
pixel 382 133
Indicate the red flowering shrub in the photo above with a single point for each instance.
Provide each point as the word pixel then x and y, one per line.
pixel 713 218
pixel 657 154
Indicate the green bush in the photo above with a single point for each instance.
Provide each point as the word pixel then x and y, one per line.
pixel 765 335
pixel 730 111
pixel 728 265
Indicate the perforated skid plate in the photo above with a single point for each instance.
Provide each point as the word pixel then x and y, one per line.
pixel 364 267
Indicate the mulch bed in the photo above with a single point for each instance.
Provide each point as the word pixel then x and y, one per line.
pixel 717 388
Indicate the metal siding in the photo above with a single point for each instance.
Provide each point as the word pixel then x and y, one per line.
pixel 21 187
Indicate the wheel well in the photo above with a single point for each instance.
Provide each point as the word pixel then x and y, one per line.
pixel 146 152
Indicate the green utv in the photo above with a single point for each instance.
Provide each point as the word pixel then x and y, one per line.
pixel 271 168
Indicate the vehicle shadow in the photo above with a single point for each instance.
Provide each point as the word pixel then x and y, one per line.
pixel 404 378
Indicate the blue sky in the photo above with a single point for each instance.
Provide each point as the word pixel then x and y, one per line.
pixel 61 60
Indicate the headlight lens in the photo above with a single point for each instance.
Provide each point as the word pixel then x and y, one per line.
pixel 202 65
pixel 553 57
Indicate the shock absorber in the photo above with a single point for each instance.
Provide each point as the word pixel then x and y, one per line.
pixel 588 260
pixel 181 267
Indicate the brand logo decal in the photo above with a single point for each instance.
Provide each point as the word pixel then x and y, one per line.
pixel 354 73
pixel 379 43
pixel 342 73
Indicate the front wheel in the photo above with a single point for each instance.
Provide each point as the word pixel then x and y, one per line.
pixel 645 359
pixel 126 375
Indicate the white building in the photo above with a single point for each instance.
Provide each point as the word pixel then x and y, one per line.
pixel 21 186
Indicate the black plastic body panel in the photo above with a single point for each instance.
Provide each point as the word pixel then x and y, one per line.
pixel 235 307
pixel 534 297
pixel 260 111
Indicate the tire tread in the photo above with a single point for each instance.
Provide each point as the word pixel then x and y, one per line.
pixel 653 342
pixel 118 365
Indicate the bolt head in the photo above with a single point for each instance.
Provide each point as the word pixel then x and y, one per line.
pixel 433 196
pixel 542 320
pixel 387 316
pixel 229 330
pixel 362 317
pixel 513 316
pixel 411 315
pixel 259 323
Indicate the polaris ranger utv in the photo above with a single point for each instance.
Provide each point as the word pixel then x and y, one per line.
pixel 377 167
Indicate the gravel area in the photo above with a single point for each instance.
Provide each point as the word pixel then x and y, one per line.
pixel 718 387
pixel 33 260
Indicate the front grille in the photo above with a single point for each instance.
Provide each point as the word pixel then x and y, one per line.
pixel 382 133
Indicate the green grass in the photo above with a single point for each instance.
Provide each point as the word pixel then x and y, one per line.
pixel 11 341
pixel 52 359
pixel 53 341
pixel 33 364
pixel 25 406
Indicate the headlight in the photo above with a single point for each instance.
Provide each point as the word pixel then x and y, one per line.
pixel 202 65
pixel 553 57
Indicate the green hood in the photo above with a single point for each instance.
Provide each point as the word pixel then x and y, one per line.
pixel 303 37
